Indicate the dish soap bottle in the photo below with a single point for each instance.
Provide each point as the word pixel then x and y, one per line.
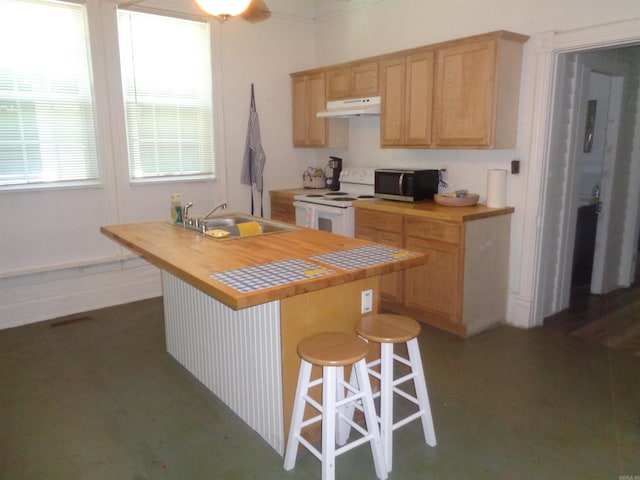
pixel 595 194
pixel 176 208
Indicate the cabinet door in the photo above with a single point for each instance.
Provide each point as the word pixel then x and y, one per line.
pixel 435 288
pixel 407 100
pixel 338 83
pixel 300 108
pixel 419 99
pixel 353 81
pixel 308 99
pixel 383 228
pixel 465 94
pixel 317 127
pixel 392 109
pixel 364 79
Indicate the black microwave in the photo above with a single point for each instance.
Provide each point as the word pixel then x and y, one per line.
pixel 406 185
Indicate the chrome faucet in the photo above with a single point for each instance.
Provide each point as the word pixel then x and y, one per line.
pixel 185 212
pixel 198 221
pixel 222 206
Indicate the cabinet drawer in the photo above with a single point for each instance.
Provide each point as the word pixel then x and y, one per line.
pixel 388 222
pixel 432 229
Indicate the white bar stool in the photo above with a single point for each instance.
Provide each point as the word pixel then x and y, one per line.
pixel 332 351
pixel 387 330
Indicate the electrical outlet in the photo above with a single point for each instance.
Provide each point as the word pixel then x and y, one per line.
pixel 367 301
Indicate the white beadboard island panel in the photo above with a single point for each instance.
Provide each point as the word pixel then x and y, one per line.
pixel 236 354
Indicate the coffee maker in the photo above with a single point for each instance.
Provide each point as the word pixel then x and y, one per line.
pixel 332 173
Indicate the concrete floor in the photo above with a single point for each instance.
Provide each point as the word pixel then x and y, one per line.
pixel 96 396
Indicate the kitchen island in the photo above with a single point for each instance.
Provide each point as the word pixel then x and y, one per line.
pixel 235 309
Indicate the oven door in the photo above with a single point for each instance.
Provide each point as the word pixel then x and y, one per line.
pixel 323 217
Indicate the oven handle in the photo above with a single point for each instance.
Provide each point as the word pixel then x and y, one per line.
pixel 319 207
pixel 400 183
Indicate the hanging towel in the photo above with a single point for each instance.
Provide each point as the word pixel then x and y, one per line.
pixel 311 217
pixel 254 157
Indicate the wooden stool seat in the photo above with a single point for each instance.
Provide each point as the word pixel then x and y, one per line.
pixel 333 349
pixel 387 328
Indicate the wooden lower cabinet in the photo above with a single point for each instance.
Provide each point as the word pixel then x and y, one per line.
pixel 462 287
pixel 435 288
pixel 282 208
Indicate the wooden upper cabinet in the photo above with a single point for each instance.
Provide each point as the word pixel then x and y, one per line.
pixel 407 99
pixel 392 109
pixel 419 99
pixel 308 99
pixel 477 87
pixel 353 81
pixel 458 94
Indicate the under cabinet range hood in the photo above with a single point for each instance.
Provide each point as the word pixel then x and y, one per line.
pixel 353 107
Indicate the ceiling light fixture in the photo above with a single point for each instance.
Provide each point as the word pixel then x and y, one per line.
pixel 223 9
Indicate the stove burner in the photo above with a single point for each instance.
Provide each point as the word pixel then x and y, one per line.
pixel 315 195
pixel 342 199
pixel 330 194
pixel 366 196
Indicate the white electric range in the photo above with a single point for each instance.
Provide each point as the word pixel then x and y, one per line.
pixel 333 211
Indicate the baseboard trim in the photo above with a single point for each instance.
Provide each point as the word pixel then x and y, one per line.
pixel 46 300
pixel 519 311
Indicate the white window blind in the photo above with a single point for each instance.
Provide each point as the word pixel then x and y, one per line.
pixel 47 133
pixel 166 74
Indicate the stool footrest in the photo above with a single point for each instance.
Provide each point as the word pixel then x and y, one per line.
pixel 408 419
pixel 316 453
pixel 406 395
pixel 353 444
pixel 311 421
pixel 313 403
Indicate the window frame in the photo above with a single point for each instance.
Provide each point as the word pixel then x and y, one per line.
pixel 97 167
pixel 214 99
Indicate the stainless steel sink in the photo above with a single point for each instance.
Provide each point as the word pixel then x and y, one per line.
pixel 216 227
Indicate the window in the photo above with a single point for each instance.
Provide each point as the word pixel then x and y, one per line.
pixel 47 133
pixel 166 75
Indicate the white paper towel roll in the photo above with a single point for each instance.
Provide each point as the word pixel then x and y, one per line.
pixel 497 188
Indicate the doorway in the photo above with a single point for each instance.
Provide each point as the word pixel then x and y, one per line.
pixel 597 198
pixel 591 201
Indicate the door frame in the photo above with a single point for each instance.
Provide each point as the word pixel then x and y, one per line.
pixel 547 47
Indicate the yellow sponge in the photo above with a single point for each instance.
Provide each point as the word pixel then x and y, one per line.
pixel 217 233
pixel 315 271
pixel 248 228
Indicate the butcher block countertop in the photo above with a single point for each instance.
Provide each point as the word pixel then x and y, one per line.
pixel 430 209
pixel 194 257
